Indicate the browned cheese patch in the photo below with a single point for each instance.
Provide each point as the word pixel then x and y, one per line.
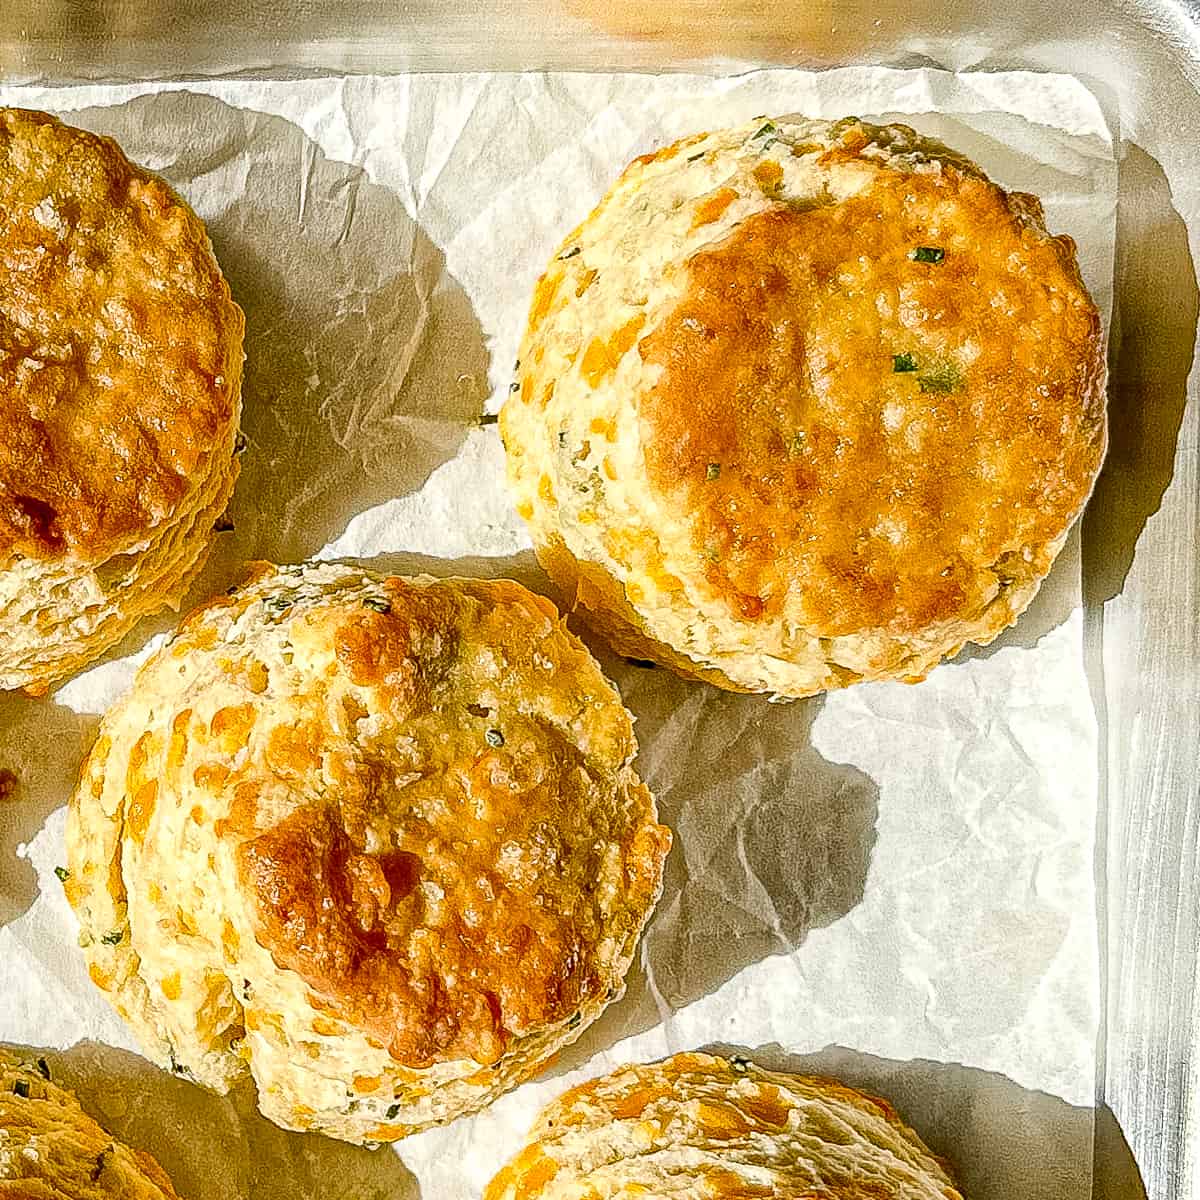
pixel 119 345
pixel 865 431
pixel 450 904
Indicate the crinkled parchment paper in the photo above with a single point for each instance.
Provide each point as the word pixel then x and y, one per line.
pixel 891 883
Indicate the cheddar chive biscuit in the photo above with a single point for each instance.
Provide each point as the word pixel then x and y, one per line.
pixel 120 377
pixel 801 404
pixel 376 842
pixel 697 1127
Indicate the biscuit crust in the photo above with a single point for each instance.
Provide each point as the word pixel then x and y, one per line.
pixel 377 841
pixel 698 1127
pixel 803 404
pixel 50 1149
pixel 120 373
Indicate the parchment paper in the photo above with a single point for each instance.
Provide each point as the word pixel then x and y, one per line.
pixel 894 884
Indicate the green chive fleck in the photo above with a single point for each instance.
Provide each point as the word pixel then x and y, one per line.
pixel 574 250
pixel 111 939
pixel 43 1069
pixel 489 418
pixel 378 604
pixel 902 363
pixel 62 873
pixel 928 254
pixel 696 157
pixel 941 379
pixel 393 1112
pixel 713 471
pixel 562 439
pixel 494 737
pixel 21 1088
pixel 767 127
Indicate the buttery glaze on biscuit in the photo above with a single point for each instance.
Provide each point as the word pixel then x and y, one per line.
pixel 802 404
pixel 698 1127
pixel 376 841
pixel 120 369
pixel 50 1149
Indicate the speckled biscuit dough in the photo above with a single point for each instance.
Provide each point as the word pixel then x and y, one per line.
pixel 802 404
pixel 120 377
pixel 376 841
pixel 50 1149
pixel 697 1127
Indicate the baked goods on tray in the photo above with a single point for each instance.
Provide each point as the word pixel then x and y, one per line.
pixel 375 841
pixel 120 373
pixel 698 1127
pixel 805 403
pixel 50 1149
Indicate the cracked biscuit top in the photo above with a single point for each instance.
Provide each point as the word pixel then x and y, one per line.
pixel 120 347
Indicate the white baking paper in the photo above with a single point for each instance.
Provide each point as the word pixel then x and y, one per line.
pixel 893 884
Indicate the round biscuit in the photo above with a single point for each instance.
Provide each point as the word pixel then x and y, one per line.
pixel 120 377
pixel 376 842
pixel 806 403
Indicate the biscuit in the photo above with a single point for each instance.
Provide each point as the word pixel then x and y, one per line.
pixel 376 842
pixel 802 404
pixel 50 1149
pixel 120 375
pixel 698 1128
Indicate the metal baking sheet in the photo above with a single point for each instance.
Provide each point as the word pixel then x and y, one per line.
pixel 1139 546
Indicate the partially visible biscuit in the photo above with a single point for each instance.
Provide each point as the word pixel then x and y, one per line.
pixel 806 403
pixel 698 1127
pixel 120 377
pixel 50 1149
pixel 376 842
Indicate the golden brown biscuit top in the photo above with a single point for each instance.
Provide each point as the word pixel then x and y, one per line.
pixel 50 1149
pixel 873 402
pixel 428 792
pixel 120 348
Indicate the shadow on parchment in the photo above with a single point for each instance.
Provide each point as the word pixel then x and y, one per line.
pixel 1154 341
pixel 218 1147
pixel 42 745
pixel 999 1140
pixel 771 841
pixel 365 362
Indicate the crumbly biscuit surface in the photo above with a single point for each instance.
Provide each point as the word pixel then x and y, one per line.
pixel 120 376
pixel 801 404
pixel 119 345
pixel 704 1128
pixel 50 1149
pixel 376 840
